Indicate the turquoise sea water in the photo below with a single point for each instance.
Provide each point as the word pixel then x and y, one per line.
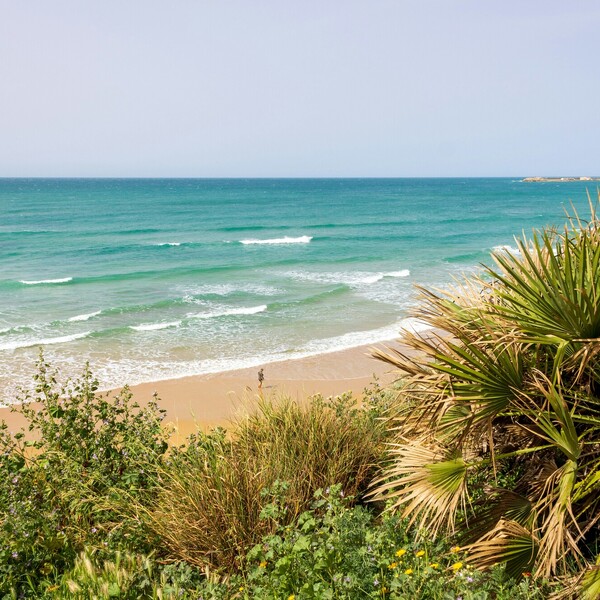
pixel 160 278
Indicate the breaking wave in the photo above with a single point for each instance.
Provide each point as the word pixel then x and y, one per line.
pixel 303 239
pixel 43 342
pixel 84 317
pixel 46 281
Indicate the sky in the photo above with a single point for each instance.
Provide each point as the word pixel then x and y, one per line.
pixel 299 88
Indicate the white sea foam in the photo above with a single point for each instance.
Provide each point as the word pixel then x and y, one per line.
pixel 154 326
pixel 379 276
pixel 46 281
pixel 303 239
pixel 227 289
pixel 168 244
pixel 43 342
pixel 84 317
pixel 253 310
pixel 413 325
pixel 352 279
pixel 361 338
pixel 136 372
pixel 507 249
pixel 112 373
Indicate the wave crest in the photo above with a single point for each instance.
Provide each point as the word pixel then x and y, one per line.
pixel 506 249
pixel 84 317
pixel 253 310
pixel 46 281
pixel 303 239
pixel 351 279
pixel 44 342
pixel 154 326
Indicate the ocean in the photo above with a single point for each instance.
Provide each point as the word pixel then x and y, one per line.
pixel 152 279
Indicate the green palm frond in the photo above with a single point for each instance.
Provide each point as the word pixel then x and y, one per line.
pixel 498 504
pixel 486 377
pixel 554 422
pixel 508 542
pixel 433 484
pixel 590 584
pixel 551 290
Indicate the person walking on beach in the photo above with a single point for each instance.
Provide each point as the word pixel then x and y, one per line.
pixel 261 378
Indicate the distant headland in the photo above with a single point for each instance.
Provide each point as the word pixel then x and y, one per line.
pixel 545 179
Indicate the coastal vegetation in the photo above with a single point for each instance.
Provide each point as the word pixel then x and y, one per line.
pixel 475 476
pixel 497 432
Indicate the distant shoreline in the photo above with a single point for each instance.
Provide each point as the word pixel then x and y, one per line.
pixel 557 179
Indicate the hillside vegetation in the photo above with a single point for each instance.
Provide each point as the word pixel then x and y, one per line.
pixel 475 476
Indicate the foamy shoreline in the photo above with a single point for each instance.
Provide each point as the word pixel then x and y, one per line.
pixel 161 373
pixel 215 399
pixel 205 401
pixel 390 335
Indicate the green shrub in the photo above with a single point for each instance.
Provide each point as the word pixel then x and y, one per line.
pixel 85 456
pixel 335 550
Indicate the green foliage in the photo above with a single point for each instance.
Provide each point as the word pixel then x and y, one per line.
pixel 335 550
pixel 498 424
pixel 87 454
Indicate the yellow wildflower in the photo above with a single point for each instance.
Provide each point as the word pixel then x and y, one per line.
pixel 241 588
pixel 400 553
pixel 263 564
pixel 457 566
pixel 291 597
pixel 434 565
pixel 420 553
pixel 392 565
pixel 455 549
pixel 408 572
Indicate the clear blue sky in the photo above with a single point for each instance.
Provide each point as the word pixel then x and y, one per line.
pixel 250 88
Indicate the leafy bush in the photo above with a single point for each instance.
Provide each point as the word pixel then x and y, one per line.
pixel 499 422
pixel 208 511
pixel 338 551
pixel 86 454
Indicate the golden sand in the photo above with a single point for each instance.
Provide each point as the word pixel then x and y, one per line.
pixel 205 401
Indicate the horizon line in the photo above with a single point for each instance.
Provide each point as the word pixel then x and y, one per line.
pixel 259 177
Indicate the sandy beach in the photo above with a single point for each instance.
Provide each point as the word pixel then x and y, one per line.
pixel 205 401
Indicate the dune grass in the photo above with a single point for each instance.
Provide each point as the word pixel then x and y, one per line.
pixel 213 492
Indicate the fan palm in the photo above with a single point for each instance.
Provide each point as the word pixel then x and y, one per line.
pixel 498 426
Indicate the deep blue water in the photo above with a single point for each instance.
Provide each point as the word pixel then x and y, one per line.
pixel 159 278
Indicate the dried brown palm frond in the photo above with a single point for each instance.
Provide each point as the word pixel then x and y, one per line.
pixel 433 483
pixel 496 505
pixel 583 586
pixel 508 542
